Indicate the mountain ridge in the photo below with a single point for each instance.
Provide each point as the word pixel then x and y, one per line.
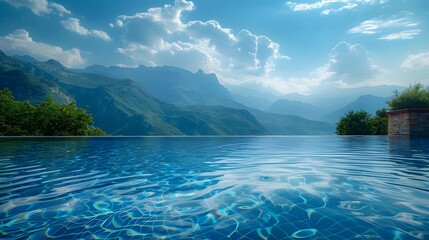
pixel 124 107
pixel 289 107
pixel 173 85
pixel 119 106
pixel 368 103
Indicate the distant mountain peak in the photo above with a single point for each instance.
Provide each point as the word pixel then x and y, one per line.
pixel 55 63
pixel 367 102
pixel 26 58
pixel 2 53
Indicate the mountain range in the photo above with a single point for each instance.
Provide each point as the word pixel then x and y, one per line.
pixel 305 110
pixel 326 104
pixel 147 101
pixel 368 103
pixel 173 85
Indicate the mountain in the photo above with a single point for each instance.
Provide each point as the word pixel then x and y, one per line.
pixel 24 85
pixel 124 107
pixel 252 97
pixel 292 125
pixel 120 107
pixel 252 101
pixel 367 103
pixel 174 85
pixel 25 58
pixel 331 99
pixel 288 107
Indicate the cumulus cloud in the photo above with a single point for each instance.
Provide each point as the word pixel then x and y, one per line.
pixel 119 23
pixel 399 28
pixel 160 37
pixel 331 6
pixel 19 42
pixel 73 24
pixel 39 7
pixel 416 61
pixel 348 64
pixel 178 54
pixel 167 16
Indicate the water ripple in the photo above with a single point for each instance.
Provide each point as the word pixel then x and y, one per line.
pixel 215 188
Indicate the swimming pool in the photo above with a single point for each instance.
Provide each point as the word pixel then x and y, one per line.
pixel 296 187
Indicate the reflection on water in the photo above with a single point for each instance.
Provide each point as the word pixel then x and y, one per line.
pixel 214 188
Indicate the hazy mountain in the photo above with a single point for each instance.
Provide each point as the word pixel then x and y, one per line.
pixel 120 106
pixel 259 103
pixel 124 107
pixel 367 103
pixel 292 125
pixel 252 98
pixel 332 99
pixel 174 85
pixel 25 58
pixel 288 107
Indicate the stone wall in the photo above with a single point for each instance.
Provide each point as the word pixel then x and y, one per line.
pixel 413 122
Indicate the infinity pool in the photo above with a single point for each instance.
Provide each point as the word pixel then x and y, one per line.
pixel 314 187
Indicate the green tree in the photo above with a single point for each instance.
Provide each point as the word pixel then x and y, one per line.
pixel 379 122
pixel 415 96
pixel 44 119
pixel 362 123
pixel 354 123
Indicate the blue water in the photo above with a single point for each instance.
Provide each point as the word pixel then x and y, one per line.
pixel 326 187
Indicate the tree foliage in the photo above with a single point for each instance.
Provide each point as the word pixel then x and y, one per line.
pixel 379 123
pixel 44 119
pixel 362 123
pixel 416 96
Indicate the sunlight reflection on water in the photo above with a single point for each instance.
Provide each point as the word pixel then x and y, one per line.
pixel 324 187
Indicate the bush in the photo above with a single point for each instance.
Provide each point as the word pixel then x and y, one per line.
pixel 362 123
pixel 354 123
pixel 44 119
pixel 379 123
pixel 416 96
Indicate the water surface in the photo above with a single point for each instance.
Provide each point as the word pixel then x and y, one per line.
pixel 311 187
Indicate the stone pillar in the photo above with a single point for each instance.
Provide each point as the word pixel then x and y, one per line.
pixel 410 121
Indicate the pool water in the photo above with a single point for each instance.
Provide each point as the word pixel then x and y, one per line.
pixel 313 187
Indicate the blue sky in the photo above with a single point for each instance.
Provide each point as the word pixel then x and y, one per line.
pixel 281 45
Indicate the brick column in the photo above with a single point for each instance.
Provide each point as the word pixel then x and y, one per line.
pixel 410 121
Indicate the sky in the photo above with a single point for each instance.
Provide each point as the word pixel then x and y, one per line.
pixel 278 45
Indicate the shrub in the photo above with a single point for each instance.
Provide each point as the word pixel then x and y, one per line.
pixel 362 123
pixel 44 119
pixel 416 96
pixel 354 123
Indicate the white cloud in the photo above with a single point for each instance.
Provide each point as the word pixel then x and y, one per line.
pixel 375 25
pixel 160 37
pixel 73 24
pixel 178 54
pixel 168 16
pixel 119 23
pixel 60 9
pixel 407 34
pixel 395 28
pixel 346 7
pixel 416 61
pixel 40 7
pixel 332 6
pixel 20 43
pixel 350 64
